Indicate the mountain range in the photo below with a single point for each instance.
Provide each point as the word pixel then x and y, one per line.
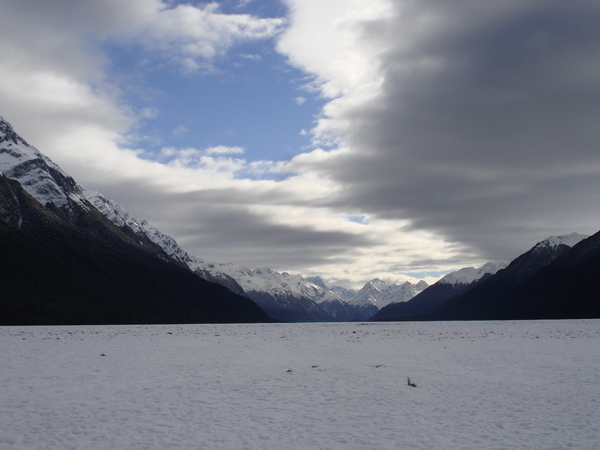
pixel 64 262
pixel 431 299
pixel 281 295
pixel 51 192
pixel 70 255
pixel 558 278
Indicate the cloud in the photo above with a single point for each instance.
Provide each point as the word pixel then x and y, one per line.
pixel 55 68
pixel 223 150
pixel 324 39
pixel 300 100
pixel 58 93
pixel 193 35
pixel 480 122
pixel 456 131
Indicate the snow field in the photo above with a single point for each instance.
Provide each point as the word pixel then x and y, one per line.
pixel 296 386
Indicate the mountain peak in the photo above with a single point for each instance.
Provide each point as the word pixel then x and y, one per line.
pixel 317 281
pixel 379 293
pixel 377 283
pixel 38 174
pixel 467 275
pixel 566 239
pixel 7 134
pixel 399 293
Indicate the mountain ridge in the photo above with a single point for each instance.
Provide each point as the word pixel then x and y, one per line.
pixel 64 262
pixel 433 297
pixel 283 296
pixel 47 212
pixel 550 281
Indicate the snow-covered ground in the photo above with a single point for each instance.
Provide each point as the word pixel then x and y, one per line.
pixel 324 385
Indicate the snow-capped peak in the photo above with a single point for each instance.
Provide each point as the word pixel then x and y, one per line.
pixel 468 275
pixel 379 293
pixel 567 239
pixel 368 294
pixel 38 175
pixel 397 293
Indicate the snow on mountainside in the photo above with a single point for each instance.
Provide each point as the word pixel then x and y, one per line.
pixel 51 186
pixel 378 293
pixel 397 293
pixel 282 295
pixel 121 218
pixel 344 293
pixel 262 280
pixel 38 175
pixel 271 290
pixel 554 241
pixel 547 282
pixel 369 293
pixel 468 275
pixel 431 298
pixel 63 262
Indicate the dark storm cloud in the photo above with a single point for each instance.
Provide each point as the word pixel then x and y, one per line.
pixel 487 129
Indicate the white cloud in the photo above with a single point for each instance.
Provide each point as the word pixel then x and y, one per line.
pixel 331 41
pixel 455 116
pixel 193 35
pixel 56 94
pixel 254 57
pixel 326 40
pixel 180 130
pixel 300 100
pixel 223 150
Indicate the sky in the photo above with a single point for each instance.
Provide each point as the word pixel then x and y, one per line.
pixel 350 139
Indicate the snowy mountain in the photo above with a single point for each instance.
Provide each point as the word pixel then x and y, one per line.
pixel 480 293
pixel 554 242
pixel 522 289
pixel 369 293
pixel 377 294
pixel 283 296
pixel 70 255
pixel 539 256
pixel 398 293
pixel 344 293
pixel 64 262
pixel 36 173
pixel 468 275
pixel 432 298
pixel 336 301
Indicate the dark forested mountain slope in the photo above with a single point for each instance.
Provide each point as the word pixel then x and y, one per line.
pixel 541 284
pixel 64 262
pixel 432 298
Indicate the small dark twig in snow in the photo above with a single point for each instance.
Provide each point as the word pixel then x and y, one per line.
pixel 411 384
